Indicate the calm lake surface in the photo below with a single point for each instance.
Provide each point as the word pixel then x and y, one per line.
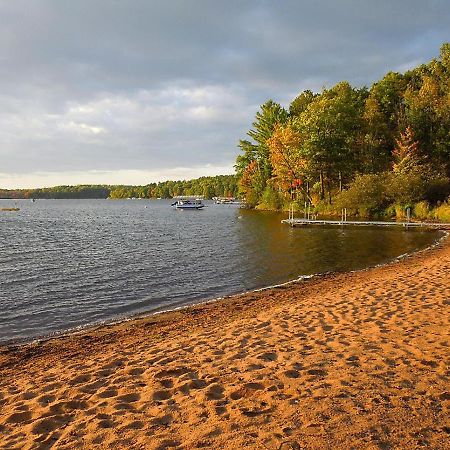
pixel 71 263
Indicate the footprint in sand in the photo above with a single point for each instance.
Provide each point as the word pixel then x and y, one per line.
pixel 129 398
pixel 166 383
pixel 80 379
pixel 253 367
pixel 176 372
pixel 432 364
pixel 49 424
pixel 135 371
pixel 193 384
pixel 291 373
pixel 121 406
pixel 108 393
pixel 106 423
pixel 236 395
pixel 255 412
pixel 93 387
pixel 28 395
pixel 165 445
pixel 44 400
pixel 165 420
pixel 161 395
pixel 268 356
pixel 134 425
pixel 114 364
pixel 19 417
pixel 317 372
pixel 67 406
pixel 254 386
pixel 215 392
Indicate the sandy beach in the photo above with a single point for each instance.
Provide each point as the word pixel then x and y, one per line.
pixel 342 361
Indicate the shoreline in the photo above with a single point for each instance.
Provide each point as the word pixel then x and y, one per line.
pixel 87 328
pixel 356 359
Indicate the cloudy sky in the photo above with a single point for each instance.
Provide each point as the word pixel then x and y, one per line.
pixel 133 91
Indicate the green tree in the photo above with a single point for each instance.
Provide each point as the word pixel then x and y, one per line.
pixel 331 125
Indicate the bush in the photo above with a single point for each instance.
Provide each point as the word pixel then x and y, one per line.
pixel 391 211
pixel 418 184
pixel 421 210
pixel 437 189
pixel 366 194
pixel 396 211
pixel 442 213
pixel 251 198
pixel 271 199
pixel 407 188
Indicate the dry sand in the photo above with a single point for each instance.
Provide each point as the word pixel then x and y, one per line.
pixel 346 361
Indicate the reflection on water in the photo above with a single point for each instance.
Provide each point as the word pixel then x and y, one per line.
pixel 70 263
pixel 281 252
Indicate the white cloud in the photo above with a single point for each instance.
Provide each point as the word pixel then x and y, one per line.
pixel 82 127
pixel 145 129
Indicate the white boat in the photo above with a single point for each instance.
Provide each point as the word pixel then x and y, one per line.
pixel 226 201
pixel 188 204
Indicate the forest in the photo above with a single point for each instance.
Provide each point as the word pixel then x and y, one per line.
pixel 376 152
pixel 208 187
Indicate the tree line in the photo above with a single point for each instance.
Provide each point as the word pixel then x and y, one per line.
pixel 370 149
pixel 208 187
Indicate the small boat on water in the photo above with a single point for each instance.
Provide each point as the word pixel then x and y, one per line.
pixel 226 201
pixel 188 204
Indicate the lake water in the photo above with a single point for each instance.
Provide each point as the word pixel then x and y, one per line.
pixel 70 263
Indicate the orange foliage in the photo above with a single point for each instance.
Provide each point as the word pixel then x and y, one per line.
pixel 249 173
pixel 406 150
pixel 287 162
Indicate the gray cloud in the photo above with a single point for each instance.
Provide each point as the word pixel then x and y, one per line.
pixel 149 85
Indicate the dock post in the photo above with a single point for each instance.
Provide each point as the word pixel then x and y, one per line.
pixel 342 216
pixel 304 211
pixel 345 214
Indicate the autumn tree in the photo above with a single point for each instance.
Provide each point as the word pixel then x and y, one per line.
pixel 406 152
pixel 289 164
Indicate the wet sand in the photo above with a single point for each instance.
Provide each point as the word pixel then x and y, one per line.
pixel 343 361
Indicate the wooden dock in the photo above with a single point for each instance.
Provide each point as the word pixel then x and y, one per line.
pixel 305 222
